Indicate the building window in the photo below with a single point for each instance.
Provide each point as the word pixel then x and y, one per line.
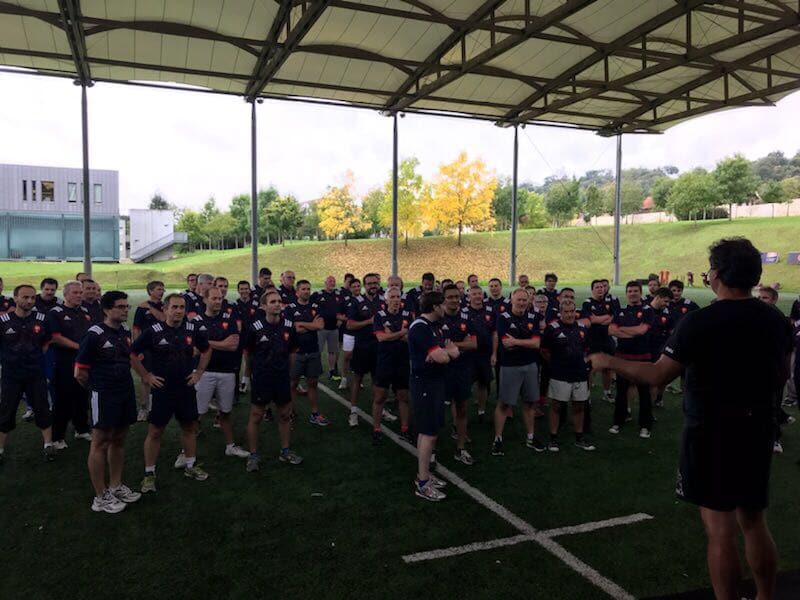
pixel 72 192
pixel 98 193
pixel 24 190
pixel 33 190
pixel 48 191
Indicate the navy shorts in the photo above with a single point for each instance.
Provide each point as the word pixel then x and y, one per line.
pixel 179 401
pixel 113 409
pixel 608 346
pixel 482 370
pixel 458 381
pixel 427 404
pixel 275 390
pixel 392 374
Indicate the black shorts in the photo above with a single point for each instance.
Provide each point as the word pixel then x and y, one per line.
pixel 277 390
pixel 482 370
pixel 608 346
pixel 35 390
pixel 392 374
pixel 427 404
pixel 364 359
pixel 544 379
pixel 458 381
pixel 726 466
pixel 115 409
pixel 179 401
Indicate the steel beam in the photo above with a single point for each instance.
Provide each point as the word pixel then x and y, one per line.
pixel 395 168
pixel 512 270
pixel 253 195
pixel 617 208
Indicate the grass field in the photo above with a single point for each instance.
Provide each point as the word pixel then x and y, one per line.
pixel 577 254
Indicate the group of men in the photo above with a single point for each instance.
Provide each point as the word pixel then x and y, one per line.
pixel 441 343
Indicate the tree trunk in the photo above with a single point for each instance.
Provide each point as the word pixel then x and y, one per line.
pixel 459 234
pixel 730 211
pixel 406 235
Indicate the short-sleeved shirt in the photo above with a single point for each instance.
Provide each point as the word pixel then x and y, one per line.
pixel 457 328
pixel 218 329
pixel 307 341
pixel 552 297
pixel 269 346
pixel 329 306
pixel 191 301
pixel 411 298
pixel 521 327
pixel 551 314
pixel 661 329
pixel 614 301
pixel 361 308
pixel 395 351
pixel 245 312
pixel 735 354
pixel 70 323
pixel 632 316
pixel 95 311
pixel 230 308
pixel 499 305
pixel 568 346
pixel 288 295
pixel 172 350
pixel 424 337
pixel 143 318
pixel 6 303
pixel 106 353
pixel 44 306
pixel 22 342
pixel 794 313
pixel 482 323
pixel 680 309
pixel 598 334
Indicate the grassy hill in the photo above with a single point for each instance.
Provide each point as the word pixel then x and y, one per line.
pixel 577 254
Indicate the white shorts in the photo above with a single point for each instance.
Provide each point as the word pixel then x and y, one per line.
pixel 566 391
pixel 348 342
pixel 221 386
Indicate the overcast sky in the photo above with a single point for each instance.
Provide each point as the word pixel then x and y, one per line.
pixel 189 146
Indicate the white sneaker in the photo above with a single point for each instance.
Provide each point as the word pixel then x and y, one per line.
pixel 236 451
pixel 142 415
pixel 28 416
pixel 180 461
pixel 107 503
pixel 608 397
pixel 125 494
pixel 614 429
pixel 644 433
pixel 777 448
pixel 790 419
pixel 60 445
pixel 343 383
pixel 83 436
pixel 353 420
pixel 388 416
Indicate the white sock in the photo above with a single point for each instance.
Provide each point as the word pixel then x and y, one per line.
pixel 227 447
pixel 352 409
pixel 48 444
pixel 150 469
pixel 498 438
pixel 530 436
pixel 190 462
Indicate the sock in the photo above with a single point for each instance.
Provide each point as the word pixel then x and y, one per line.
pixel 530 436
pixel 404 428
pixel 48 444
pixel 481 412
pixel 285 450
pixel 498 438
pixel 554 436
pixel 228 446
pixel 376 430
pixel 2 450
pixel 150 470
pixel 421 483
pixel 190 460
pixel 433 457
pixel 352 410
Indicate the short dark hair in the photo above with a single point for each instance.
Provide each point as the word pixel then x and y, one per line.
pixel 471 275
pixel 349 276
pixel 450 286
pixel 375 275
pixel 773 293
pixel 220 278
pixel 428 277
pixel 446 282
pixel 567 289
pixel 737 262
pixel 595 282
pixel 264 271
pixel 550 276
pixel 89 281
pixel 191 275
pixel 679 284
pixel 23 285
pixel 303 282
pixel 663 292
pixel 653 277
pixel 153 285
pixel 603 280
pixel 173 296
pixel 243 282
pixel 354 280
pixel 48 281
pixel 495 279
pixel 633 283
pixel 430 300
pixel 109 299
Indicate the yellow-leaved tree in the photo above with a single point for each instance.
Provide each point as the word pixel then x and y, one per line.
pixel 410 191
pixel 339 215
pixel 461 196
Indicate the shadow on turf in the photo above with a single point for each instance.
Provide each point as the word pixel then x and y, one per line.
pixel 788 588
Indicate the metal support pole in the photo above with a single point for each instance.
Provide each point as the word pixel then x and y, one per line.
pixel 253 198
pixel 513 266
pixel 394 194
pixel 617 208
pixel 87 219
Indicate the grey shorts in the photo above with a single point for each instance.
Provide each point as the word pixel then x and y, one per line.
pixel 306 365
pixel 221 386
pixel 516 381
pixel 566 391
pixel 329 340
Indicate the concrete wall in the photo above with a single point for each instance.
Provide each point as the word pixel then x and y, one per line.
pixel 148 226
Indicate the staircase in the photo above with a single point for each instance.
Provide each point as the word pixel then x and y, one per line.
pixel 176 237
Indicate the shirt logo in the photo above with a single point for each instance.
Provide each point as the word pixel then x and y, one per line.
pixel 66 318
pixel 639 315
pixel 224 325
pixel 163 342
pixel 189 340
pixel 36 328
pixel 561 335
pixel 10 330
pixel 263 339
pixel 530 325
pixel 286 335
pixel 108 345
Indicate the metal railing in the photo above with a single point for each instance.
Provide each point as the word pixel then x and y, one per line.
pixel 175 237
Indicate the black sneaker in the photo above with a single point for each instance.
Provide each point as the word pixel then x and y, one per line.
pixel 408 438
pixel 535 444
pixel 497 448
pixel 377 438
pixel 584 445
pixel 49 453
pixel 553 446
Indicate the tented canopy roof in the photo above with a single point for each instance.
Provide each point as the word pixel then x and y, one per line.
pixel 615 66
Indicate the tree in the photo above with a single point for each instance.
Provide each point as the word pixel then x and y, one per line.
pixel 776 167
pixel 158 202
pixel 410 191
pixel 771 191
pixel 210 209
pixel 692 193
pixel 592 205
pixel 310 227
pixel 633 195
pixel 266 230
pixel 371 206
pixel 562 200
pixel 791 188
pixel 240 211
pixel 338 213
pixel 735 181
pixel 660 191
pixel 220 228
pixel 534 215
pixel 193 224
pixel 284 216
pixel 461 196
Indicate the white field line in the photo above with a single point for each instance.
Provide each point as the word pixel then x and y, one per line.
pixel 592 526
pixel 580 567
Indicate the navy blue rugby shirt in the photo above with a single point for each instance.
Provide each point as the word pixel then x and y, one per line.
pixel 307 341
pixel 424 337
pixel 106 353
pixel 23 341
pixel 396 350
pixel 172 349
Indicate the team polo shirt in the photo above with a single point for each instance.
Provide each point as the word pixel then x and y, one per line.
pixel 288 295
pixel 217 329
pixel 70 323
pixel 522 327
pixel 307 341
pixel 95 311
pixel 424 337
pixel 661 329
pixel 552 297
pixel 796 338
pixel 457 328
pixel 44 306
pixel 245 312
pixel 598 334
pixel 632 316
pixel 482 323
pixel 22 342
pixel 412 297
pixel 106 353
pixel 794 314
pixel 172 349
pixel 329 305
pixel 269 346
pixel 143 318
pixel 568 346
pixel 229 308
pixel 681 308
pixel 362 308
pixel 395 351
pixel 551 314
pixel 6 303
pixel 191 300
pixel 499 305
